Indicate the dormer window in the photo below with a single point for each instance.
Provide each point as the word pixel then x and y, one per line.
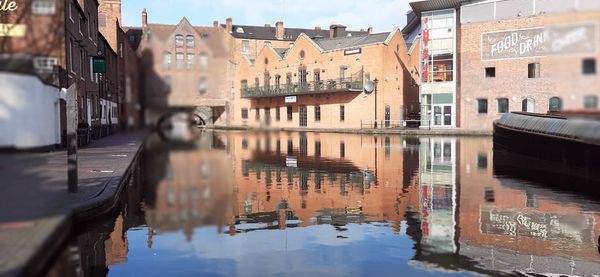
pixel 239 30
pixel 179 40
pixel 189 41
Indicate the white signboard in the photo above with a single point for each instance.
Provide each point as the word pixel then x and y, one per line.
pixel 290 99
pixel 291 162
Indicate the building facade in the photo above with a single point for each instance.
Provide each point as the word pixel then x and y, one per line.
pixel 319 81
pixel 479 59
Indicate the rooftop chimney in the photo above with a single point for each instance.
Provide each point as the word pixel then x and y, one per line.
pixel 228 24
pixel 144 18
pixel 279 30
pixel 216 23
pixel 318 28
pixel 267 25
pixel 370 30
pixel 337 31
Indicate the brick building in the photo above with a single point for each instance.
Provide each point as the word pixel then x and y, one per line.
pixel 288 77
pixel 479 59
pixel 184 67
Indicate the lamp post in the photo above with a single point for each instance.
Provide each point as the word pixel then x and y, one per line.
pixel 375 81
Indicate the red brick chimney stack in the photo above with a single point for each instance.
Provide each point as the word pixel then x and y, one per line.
pixel 144 18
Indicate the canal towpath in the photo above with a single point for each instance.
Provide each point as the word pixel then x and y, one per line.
pixel 37 212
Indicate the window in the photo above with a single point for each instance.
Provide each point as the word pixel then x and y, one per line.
pixel 482 160
pixel 527 105
pixel 131 38
pixel 490 72
pixel 167 60
pixel 289 113
pixel 266 61
pixel 244 84
pixel 88 25
pixel 533 70
pixel 302 75
pixel 256 83
pixel 342 149
pixel 179 60
pixel 82 61
pixel 245 46
pixel 590 102
pixel 179 40
pixel 45 63
pixel 555 104
pixel 71 55
pixel 342 113
pixel 317 113
pixel 502 105
pixel 121 49
pixel 190 61
pixel 93 76
pixel 203 85
pixel 189 41
pixel 288 80
pixel 343 72
pixel 267 80
pixel 71 11
pixel 482 106
pixel 43 7
pixel 317 76
pixel 244 113
pixel 203 61
pixel 277 81
pixel 589 66
pixel 257 114
pixel 302 54
pixel 317 148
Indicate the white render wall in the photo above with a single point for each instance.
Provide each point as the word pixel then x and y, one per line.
pixel 29 112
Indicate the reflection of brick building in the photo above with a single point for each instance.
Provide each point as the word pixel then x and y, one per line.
pixel 485 58
pixel 324 178
pixel 505 214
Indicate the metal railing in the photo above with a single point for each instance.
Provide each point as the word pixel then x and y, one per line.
pixel 300 88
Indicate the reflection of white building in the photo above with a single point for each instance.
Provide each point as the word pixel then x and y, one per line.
pixel 437 183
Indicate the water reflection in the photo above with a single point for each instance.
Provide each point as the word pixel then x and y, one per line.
pixel 240 203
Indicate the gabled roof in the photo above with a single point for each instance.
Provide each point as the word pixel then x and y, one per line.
pixel 328 44
pixel 268 33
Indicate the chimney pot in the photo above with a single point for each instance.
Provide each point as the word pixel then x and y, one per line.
pixel 370 30
pixel 279 30
pixel 229 24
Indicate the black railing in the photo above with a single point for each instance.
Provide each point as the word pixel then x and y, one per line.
pixel 300 88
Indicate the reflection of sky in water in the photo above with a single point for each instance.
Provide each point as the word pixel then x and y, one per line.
pixel 368 249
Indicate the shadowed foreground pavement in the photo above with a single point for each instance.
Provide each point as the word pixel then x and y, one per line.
pixel 35 208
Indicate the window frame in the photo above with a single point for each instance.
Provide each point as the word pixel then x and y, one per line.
pixel 490 72
pixel 590 68
pixel 500 107
pixel 479 106
pixel 534 70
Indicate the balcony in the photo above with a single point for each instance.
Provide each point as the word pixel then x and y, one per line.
pixel 351 84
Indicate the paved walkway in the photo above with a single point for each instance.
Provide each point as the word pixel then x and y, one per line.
pixel 35 208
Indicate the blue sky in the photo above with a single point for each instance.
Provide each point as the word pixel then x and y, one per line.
pixel 382 15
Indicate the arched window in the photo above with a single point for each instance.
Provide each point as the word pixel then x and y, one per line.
pixel 178 40
pixel 190 41
pixel 302 54
pixel 528 105
pixel 555 104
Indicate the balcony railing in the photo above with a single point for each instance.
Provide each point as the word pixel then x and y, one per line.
pixel 299 88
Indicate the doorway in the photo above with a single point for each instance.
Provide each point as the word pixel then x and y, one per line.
pixel 442 115
pixel 303 116
pixel 267 116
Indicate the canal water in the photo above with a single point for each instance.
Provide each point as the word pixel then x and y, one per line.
pixel 312 204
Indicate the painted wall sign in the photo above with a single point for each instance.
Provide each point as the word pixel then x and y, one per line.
pixel 425 43
pixel 290 99
pixel 12 30
pixel 291 162
pixel 352 51
pixel 8 6
pixel 540 41
pixel 571 228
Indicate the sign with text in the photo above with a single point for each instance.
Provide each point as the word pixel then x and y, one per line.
pixel 12 30
pixel 290 99
pixel 540 41
pixel 570 228
pixel 99 64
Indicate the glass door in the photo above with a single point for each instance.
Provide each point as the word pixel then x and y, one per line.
pixel 442 115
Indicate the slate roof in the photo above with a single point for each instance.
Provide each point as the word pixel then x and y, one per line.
pixel 268 33
pixel 328 44
pixel 281 51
